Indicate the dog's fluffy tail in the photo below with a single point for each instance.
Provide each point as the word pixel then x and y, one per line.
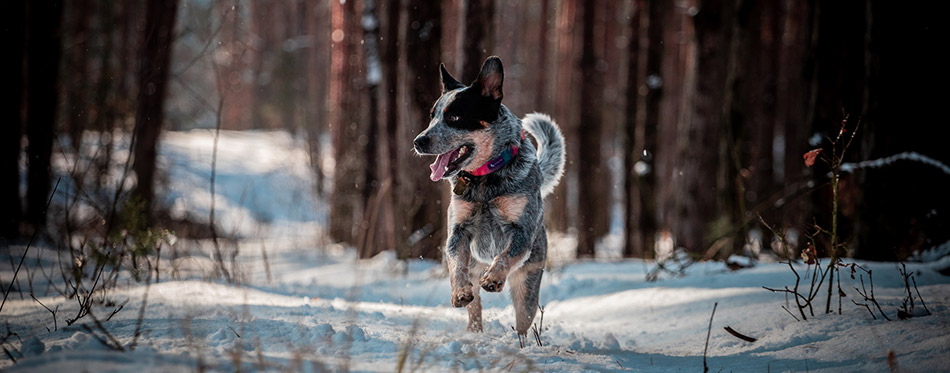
pixel 550 149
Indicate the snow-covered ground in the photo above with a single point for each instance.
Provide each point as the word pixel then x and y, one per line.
pixel 307 305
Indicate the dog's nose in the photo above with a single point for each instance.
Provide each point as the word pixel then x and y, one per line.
pixel 421 143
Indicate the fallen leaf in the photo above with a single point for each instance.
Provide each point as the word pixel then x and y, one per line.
pixel 811 156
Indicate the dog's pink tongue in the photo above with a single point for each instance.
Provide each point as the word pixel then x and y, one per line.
pixel 438 167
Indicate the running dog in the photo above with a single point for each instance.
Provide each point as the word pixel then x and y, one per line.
pixel 498 178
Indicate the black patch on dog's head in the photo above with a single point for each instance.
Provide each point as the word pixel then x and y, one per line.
pixel 448 82
pixel 470 110
pixel 475 106
pixel 491 78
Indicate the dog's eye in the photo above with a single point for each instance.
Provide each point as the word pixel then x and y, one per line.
pixel 452 118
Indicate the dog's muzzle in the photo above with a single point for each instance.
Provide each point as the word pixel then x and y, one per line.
pixel 421 144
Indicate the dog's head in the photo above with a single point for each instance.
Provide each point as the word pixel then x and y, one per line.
pixel 462 130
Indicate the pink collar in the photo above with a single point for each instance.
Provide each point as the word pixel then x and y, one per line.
pixel 498 162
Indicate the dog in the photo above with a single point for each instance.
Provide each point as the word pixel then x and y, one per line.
pixel 498 179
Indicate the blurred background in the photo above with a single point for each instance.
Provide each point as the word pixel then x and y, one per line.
pixel 685 119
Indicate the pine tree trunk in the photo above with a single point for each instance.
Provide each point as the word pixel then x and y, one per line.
pixel 541 59
pixel 14 32
pixel 695 181
pixel 427 210
pixel 475 36
pixel 390 65
pixel 154 61
pixel 590 171
pixel 346 124
pixel 317 77
pixel 77 81
pixel 44 49
pixel 371 238
pixel 631 155
pixel 648 95
pixel 558 210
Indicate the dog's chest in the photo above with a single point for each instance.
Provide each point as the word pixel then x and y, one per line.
pixel 486 223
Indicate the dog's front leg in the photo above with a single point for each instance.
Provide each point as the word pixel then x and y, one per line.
pixel 506 261
pixel 458 254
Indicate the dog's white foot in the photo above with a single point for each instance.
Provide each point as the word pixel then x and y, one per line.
pixel 461 297
pixel 493 280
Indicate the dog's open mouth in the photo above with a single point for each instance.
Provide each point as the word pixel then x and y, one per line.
pixel 448 162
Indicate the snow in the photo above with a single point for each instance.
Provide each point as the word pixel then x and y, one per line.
pixel 905 156
pixel 313 306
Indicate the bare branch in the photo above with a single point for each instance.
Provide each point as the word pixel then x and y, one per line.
pixel 740 335
pixel 708 333
pixel 30 244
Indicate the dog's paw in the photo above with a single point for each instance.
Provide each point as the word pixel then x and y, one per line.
pixel 463 296
pixel 492 281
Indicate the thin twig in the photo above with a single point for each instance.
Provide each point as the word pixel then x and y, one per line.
pixel 708 333
pixel 538 328
pixel 798 278
pixel 55 326
pixel 865 305
pixel 740 335
pixel 234 331
pixel 790 313
pixel 112 342
pixel 10 355
pixel 148 283
pixel 869 296
pixel 918 296
pixel 30 244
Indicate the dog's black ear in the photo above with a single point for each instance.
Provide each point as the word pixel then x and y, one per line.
pixel 491 77
pixel 448 82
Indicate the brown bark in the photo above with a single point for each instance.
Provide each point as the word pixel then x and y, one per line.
pixel 371 239
pixel 695 177
pixel 632 209
pixel 759 171
pixel 261 17
pixel 14 30
pixel 590 171
pixel 345 123
pixel 389 54
pixel 426 211
pixel 317 71
pixel 155 48
pixel 649 96
pixel 557 209
pixel 475 36
pixel 43 56
pixel 790 121
pixel 542 59
pixel 78 76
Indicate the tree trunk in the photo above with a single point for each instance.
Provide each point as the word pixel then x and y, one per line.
pixel 390 66
pixel 427 210
pixel 695 178
pixel 346 124
pixel 44 49
pixel 317 77
pixel 105 87
pixel 154 59
pixel 372 239
pixel 542 59
pixel 76 86
pixel 631 246
pixel 590 172
pixel 791 127
pixel 475 36
pixel 557 211
pixel 14 31
pixel 261 18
